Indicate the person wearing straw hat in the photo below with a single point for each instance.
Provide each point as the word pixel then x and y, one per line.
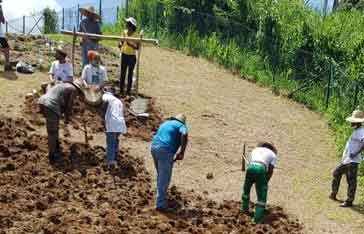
pixel 263 160
pixel 94 75
pixel 128 55
pixel 113 114
pixel 61 69
pixel 168 145
pixel 91 24
pixel 57 102
pixel 351 158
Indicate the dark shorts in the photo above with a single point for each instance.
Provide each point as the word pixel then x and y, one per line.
pixel 4 43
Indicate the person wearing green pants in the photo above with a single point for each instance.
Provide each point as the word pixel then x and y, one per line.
pixel 260 170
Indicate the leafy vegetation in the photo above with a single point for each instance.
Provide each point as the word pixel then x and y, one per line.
pixel 50 21
pixel 317 59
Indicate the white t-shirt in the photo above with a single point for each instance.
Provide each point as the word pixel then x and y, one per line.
pixel 94 75
pixel 264 155
pixel 354 143
pixel 114 117
pixel 61 71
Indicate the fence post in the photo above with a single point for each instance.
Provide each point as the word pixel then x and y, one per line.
pixel 117 13
pixel 78 14
pixel 356 92
pixel 23 24
pixel 62 18
pixel 6 27
pixel 100 9
pixel 127 8
pixel 327 99
pixel 156 22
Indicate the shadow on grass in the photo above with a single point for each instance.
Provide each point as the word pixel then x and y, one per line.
pixel 358 208
pixel 9 75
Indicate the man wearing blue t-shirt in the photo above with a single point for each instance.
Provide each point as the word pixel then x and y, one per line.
pixel 168 145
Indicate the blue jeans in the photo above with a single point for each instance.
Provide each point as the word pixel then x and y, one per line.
pixel 163 162
pixel 112 143
pixel 86 47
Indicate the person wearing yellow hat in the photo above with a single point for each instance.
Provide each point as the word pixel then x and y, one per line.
pixel 168 145
pixel 91 24
pixel 351 158
pixel 128 55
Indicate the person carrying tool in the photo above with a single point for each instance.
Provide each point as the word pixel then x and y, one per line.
pixel 113 114
pixel 94 75
pixel 91 24
pixel 259 172
pixel 128 55
pixel 57 102
pixel 351 158
pixel 168 145
pixel 5 48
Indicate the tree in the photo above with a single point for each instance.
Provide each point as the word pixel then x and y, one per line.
pixel 50 21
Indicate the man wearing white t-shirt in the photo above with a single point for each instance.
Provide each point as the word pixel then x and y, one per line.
pixel 351 159
pixel 94 75
pixel 260 169
pixel 113 113
pixel 4 42
pixel 61 70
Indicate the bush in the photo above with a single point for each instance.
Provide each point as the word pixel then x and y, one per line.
pixel 50 21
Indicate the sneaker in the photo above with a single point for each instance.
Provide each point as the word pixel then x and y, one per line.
pixel 8 68
pixel 346 204
pixel 112 165
pixel 333 197
pixel 165 210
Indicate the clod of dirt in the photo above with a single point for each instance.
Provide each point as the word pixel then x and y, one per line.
pixel 210 176
pixel 79 195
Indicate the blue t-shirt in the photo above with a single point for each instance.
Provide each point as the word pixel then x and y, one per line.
pixel 169 134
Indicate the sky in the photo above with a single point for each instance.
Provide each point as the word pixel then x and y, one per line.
pixel 18 8
pixel 12 9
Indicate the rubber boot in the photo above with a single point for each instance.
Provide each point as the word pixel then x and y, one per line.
pixel 259 212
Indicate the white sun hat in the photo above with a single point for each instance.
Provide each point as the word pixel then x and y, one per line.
pixel 132 21
pixel 356 117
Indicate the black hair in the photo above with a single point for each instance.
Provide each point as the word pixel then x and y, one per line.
pixel 268 145
pixel 132 26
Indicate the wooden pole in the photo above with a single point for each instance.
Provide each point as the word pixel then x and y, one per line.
pixel 73 49
pixel 138 65
pixel 243 158
pixel 111 37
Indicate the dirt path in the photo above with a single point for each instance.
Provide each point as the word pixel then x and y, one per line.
pixel 223 113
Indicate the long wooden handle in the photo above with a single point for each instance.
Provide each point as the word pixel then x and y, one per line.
pixel 111 37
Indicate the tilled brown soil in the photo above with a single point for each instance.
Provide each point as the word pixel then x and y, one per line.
pixel 143 128
pixel 80 196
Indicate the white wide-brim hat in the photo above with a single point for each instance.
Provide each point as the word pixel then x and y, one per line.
pixel 132 21
pixel 356 117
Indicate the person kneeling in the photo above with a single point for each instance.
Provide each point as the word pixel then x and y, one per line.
pixel 259 172
pixel 94 75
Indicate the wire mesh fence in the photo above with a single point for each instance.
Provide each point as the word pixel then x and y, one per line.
pixel 67 18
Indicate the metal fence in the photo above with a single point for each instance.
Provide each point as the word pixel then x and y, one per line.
pixel 67 18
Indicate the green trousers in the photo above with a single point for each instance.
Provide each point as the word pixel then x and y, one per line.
pixel 255 174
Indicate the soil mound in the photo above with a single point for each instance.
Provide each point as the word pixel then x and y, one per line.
pixel 79 195
pixel 143 128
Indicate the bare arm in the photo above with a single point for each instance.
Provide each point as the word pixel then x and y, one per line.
pixel 184 142
pixel 270 172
